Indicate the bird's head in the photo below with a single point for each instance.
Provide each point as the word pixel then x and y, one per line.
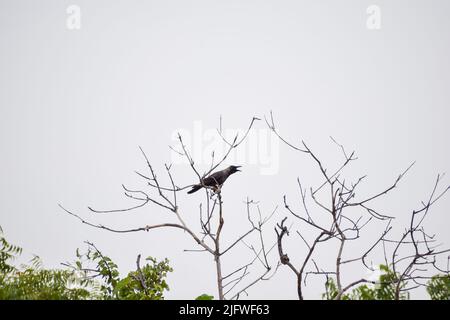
pixel 234 169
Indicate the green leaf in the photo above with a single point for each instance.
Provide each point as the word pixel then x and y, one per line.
pixel 205 297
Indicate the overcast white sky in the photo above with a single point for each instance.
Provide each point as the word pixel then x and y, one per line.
pixel 76 104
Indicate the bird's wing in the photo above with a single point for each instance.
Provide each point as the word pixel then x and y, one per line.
pixel 215 178
pixel 210 181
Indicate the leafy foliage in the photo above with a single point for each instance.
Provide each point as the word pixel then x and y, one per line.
pixel 34 282
pixel 7 252
pixel 439 287
pixel 384 289
pixel 205 297
pixel 146 283
pixel 331 290
pixel 101 280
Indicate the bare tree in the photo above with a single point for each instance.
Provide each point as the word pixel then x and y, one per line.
pixel 411 257
pixel 211 218
pixel 343 227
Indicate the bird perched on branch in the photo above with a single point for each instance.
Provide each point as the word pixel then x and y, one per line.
pixel 216 179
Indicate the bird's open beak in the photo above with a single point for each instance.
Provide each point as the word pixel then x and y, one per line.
pixel 237 168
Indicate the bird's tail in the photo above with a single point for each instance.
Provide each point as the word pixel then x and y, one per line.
pixel 195 188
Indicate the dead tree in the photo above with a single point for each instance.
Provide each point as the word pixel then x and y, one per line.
pixel 211 218
pixel 412 257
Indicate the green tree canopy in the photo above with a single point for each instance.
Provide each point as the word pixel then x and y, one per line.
pixel 100 279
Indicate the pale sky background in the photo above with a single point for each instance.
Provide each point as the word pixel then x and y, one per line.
pixel 76 104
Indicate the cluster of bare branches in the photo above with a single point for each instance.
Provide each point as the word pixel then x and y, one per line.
pixel 338 217
pixel 342 227
pixel 420 253
pixel 211 218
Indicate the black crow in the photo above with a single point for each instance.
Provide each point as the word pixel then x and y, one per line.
pixel 216 179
